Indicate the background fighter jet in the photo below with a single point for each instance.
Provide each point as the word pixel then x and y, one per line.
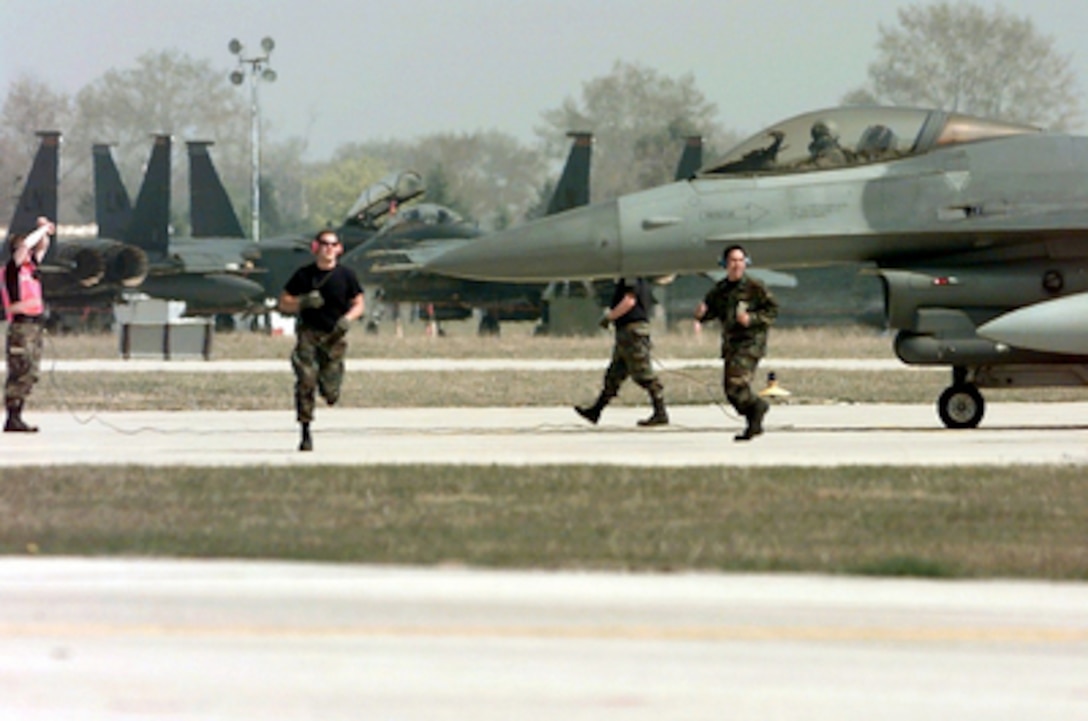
pixel 205 274
pixel 372 211
pixel 978 229
pixel 389 260
pixel 272 261
pixel 78 274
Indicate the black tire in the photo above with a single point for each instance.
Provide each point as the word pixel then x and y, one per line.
pixel 489 326
pixel 224 323
pixel 961 406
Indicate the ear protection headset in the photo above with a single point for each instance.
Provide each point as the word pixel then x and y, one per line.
pixel 724 260
pixel 315 244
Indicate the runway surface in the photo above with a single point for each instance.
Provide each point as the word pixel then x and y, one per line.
pixel 104 640
pixel 797 435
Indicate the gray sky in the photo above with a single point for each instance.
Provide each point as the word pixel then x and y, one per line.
pixel 352 70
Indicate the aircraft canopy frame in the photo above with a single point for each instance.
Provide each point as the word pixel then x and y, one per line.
pixel 841 137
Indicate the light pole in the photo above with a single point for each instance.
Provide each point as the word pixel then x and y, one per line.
pixel 258 70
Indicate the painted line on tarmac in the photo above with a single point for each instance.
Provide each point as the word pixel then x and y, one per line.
pixel 1012 635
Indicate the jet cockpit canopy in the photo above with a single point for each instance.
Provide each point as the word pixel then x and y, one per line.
pixel 379 198
pixel 838 137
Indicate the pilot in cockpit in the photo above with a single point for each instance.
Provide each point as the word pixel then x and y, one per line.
pixel 824 151
pixel 878 141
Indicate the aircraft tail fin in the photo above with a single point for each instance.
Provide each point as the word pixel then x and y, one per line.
pixel 112 207
pixel 39 196
pixel 691 159
pixel 210 209
pixel 149 229
pixel 572 191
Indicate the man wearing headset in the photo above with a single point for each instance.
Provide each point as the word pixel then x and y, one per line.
pixel 21 291
pixel 327 298
pixel 746 310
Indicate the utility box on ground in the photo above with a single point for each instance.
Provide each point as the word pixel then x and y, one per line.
pixel 149 328
pixel 188 338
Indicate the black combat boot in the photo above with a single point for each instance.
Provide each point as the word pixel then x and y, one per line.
pixel 15 423
pixel 307 443
pixel 754 414
pixel 593 413
pixel 660 416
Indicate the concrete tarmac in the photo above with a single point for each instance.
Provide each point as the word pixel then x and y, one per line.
pixel 106 640
pixel 797 435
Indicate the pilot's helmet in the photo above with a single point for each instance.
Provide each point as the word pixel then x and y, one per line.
pixel 877 139
pixel 825 130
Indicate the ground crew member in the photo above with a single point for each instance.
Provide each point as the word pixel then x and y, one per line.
pixel 746 310
pixel 629 310
pixel 24 309
pixel 327 298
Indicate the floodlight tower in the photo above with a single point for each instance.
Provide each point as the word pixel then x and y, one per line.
pixel 258 70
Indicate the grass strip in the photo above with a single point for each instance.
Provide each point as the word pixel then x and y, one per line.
pixel 271 391
pixel 955 522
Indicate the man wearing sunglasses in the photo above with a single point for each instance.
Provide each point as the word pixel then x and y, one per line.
pixel 327 298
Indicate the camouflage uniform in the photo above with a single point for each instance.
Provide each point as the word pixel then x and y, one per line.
pixel 742 346
pixel 631 358
pixel 318 363
pixel 24 352
pixel 631 355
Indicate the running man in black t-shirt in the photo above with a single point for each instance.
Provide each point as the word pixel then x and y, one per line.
pixel 327 298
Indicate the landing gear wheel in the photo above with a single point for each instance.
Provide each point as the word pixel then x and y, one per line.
pixel 489 325
pixel 961 406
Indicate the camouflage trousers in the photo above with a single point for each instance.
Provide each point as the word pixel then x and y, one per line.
pixel 318 363
pixel 737 375
pixel 631 359
pixel 24 351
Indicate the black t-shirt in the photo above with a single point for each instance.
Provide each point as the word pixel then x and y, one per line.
pixel 641 310
pixel 338 287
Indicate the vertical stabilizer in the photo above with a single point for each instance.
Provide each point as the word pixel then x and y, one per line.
pixel 149 229
pixel 691 159
pixel 112 207
pixel 572 191
pixel 210 211
pixel 39 195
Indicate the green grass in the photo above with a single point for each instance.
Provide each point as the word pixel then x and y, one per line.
pixel 516 341
pixel 270 391
pixel 1022 522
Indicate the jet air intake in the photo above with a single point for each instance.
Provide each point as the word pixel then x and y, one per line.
pixel 87 266
pixel 913 297
pixel 126 265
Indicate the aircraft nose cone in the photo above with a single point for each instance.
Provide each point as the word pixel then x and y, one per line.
pixel 586 239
